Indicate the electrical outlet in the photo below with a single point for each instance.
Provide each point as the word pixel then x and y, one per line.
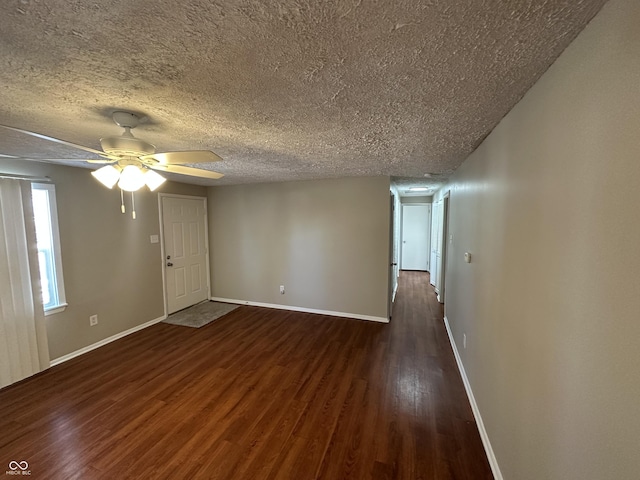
pixel 282 289
pixel 464 340
pixel 93 320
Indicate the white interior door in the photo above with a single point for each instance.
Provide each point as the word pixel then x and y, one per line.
pixel 435 226
pixel 184 223
pixel 416 223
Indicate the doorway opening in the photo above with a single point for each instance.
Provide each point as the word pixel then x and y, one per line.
pixel 440 240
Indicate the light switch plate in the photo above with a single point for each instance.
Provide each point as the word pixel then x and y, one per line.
pixel 467 257
pixel 154 239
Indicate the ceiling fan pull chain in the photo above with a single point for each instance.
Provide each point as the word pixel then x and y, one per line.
pixel 133 207
pixel 122 209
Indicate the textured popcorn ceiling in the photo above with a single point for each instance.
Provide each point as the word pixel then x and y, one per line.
pixel 295 89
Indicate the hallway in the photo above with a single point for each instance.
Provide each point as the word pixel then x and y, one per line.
pixel 429 394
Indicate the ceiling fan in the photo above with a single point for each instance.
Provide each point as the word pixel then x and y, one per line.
pixel 131 163
pixel 121 152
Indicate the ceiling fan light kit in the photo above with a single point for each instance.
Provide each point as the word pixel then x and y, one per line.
pixel 153 180
pixel 130 178
pixel 107 175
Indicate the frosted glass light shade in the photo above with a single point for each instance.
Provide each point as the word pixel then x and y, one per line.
pixel 153 180
pixel 131 178
pixel 107 175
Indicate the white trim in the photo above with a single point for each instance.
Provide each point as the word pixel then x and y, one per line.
pixel 206 245
pixel 493 462
pixel 50 188
pixel 401 244
pixel 162 255
pixel 291 308
pixel 110 339
pixel 395 290
pixel 57 309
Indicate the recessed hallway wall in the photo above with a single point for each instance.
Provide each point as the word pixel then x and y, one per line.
pixel 326 241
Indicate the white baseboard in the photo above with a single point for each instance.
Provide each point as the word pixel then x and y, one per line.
pixel 493 462
pixel 110 339
pixel 357 316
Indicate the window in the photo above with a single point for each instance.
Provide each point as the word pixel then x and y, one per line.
pixel 48 239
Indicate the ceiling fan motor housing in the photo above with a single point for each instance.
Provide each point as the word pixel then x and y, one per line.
pixel 126 119
pixel 121 146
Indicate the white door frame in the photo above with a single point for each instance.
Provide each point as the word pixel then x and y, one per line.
pixel 446 207
pixel 392 263
pixel 400 253
pixel 163 254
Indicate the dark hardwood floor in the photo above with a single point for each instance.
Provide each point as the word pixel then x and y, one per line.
pixel 257 394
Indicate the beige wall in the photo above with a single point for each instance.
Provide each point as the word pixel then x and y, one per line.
pixel 326 241
pixel 549 207
pixel 416 199
pixel 110 267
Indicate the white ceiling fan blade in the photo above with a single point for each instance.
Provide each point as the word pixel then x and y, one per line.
pixel 57 160
pixel 50 160
pixel 53 139
pixel 177 158
pixel 192 172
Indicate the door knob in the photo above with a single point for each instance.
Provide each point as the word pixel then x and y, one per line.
pixel 169 264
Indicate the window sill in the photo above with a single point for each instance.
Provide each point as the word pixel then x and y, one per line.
pixel 57 309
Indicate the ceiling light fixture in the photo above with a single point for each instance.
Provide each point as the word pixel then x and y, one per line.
pixel 129 178
pixel 419 189
pixel 153 180
pixel 107 175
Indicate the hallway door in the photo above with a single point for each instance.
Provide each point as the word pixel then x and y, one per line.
pixel 416 224
pixel 433 257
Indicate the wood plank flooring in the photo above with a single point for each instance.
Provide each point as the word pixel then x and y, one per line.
pixel 257 394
